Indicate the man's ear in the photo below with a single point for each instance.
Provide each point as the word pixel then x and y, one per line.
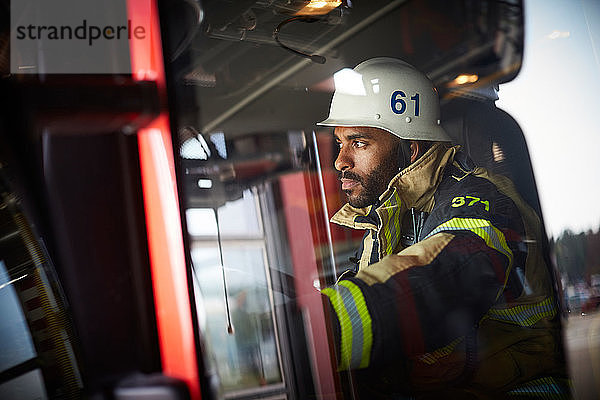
pixel 414 150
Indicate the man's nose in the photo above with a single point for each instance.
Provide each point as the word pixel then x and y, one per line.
pixel 343 160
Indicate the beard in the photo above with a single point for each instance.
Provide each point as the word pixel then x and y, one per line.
pixel 372 185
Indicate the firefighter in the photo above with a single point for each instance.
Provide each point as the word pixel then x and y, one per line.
pixel 451 293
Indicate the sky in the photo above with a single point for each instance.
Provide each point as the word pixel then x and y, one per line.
pixel 556 101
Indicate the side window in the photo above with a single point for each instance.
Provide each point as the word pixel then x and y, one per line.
pixel 243 250
pixel 231 275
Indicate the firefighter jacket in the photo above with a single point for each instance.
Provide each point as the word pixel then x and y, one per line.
pixel 469 306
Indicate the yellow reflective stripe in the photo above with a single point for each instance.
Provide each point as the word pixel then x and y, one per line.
pixel 432 357
pixel 360 307
pixel 390 227
pixel 492 236
pixel 388 235
pixel 396 236
pixel 355 324
pixel 345 326
pixel 390 230
pixel 525 315
pixel 483 228
pixel 396 221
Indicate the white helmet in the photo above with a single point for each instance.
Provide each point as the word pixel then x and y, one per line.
pixel 389 94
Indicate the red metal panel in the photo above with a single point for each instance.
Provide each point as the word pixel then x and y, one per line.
pixel 295 196
pixel 165 240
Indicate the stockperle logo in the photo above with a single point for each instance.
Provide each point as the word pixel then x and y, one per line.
pixel 73 36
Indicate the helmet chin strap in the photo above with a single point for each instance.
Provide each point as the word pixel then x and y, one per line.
pixel 403 154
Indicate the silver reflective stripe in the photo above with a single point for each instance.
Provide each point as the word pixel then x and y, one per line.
pixel 357 328
pixel 525 315
pixel 543 388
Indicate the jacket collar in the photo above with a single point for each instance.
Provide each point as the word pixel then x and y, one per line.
pixel 412 187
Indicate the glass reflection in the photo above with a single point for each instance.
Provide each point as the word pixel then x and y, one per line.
pixel 235 293
pixel 16 344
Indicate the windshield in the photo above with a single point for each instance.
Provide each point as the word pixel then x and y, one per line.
pixel 251 79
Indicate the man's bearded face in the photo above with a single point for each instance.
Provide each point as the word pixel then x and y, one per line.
pixel 367 161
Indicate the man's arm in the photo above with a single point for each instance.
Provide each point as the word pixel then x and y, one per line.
pixel 421 299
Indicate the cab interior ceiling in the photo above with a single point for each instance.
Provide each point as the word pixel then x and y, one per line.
pixel 246 82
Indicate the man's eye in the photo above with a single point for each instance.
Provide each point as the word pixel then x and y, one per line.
pixel 359 144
